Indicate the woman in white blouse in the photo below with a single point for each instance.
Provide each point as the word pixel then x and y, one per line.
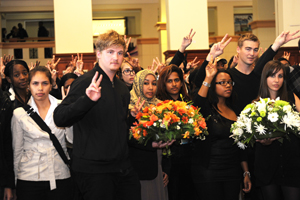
pixel 39 170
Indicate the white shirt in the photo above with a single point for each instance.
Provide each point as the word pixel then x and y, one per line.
pixel 35 157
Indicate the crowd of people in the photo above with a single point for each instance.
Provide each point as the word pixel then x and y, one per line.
pixel 68 137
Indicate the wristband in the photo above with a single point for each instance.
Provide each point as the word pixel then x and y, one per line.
pixel 247 172
pixel 206 84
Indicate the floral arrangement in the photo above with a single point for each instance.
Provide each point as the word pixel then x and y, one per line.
pixel 169 120
pixel 263 119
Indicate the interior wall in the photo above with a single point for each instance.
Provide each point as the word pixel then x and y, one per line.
pixel 225 21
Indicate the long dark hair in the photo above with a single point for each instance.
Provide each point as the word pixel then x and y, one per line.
pixel 162 93
pixel 270 69
pixel 212 95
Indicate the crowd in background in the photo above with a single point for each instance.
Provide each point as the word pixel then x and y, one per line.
pixel 91 114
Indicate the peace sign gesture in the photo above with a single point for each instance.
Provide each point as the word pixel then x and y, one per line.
pixel 192 64
pixel 284 38
pixel 94 91
pixel 79 65
pixel 217 49
pixel 52 63
pixel 63 94
pixel 158 64
pixel 187 40
pixel 127 42
pixel 134 111
pixel 211 68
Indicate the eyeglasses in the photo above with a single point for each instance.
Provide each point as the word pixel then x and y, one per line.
pixel 128 72
pixel 224 83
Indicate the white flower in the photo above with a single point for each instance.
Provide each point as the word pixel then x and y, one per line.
pixel 238 131
pixel 154 124
pixel 177 127
pixel 287 108
pixel 273 117
pixel 248 126
pixel 260 129
pixel 290 120
pixel 261 105
pixel 246 111
pixel 241 145
pixel 160 120
pixel 162 125
pixel 191 120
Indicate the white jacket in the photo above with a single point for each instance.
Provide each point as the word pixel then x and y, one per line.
pixel 35 157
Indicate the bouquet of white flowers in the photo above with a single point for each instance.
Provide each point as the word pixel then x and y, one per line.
pixel 263 119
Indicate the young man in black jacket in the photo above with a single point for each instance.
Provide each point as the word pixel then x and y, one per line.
pixel 97 108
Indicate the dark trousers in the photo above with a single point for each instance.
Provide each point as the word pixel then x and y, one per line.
pixel 225 190
pixel 40 190
pixel 123 185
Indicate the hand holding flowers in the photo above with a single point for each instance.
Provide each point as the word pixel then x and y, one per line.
pixel 168 121
pixel 265 119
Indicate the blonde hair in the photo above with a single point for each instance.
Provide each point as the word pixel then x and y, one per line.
pixel 108 39
pixel 247 36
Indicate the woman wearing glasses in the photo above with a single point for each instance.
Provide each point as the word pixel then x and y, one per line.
pixel 218 166
pixel 127 74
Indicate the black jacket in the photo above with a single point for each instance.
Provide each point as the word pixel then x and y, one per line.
pixel 7 178
pixel 100 128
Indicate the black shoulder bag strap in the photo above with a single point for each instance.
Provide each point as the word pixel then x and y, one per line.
pixel 45 127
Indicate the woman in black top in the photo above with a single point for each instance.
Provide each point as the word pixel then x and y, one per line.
pixel 217 164
pixel 277 164
pixel 171 86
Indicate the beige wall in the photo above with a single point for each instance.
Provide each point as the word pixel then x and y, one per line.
pixel 287 17
pixel 225 21
pixel 149 16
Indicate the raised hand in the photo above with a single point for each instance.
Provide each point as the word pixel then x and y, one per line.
pixel 69 69
pixel 217 49
pixel 284 38
pixel 79 65
pixel 2 67
pixel 160 66
pixel 7 59
pixel 134 111
pixel 152 67
pixel 286 55
pixel 63 94
pixel 192 64
pixel 127 42
pixel 33 65
pixel 53 64
pixel 73 60
pixel 94 89
pixel 187 40
pixel 211 68
pixel 134 62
